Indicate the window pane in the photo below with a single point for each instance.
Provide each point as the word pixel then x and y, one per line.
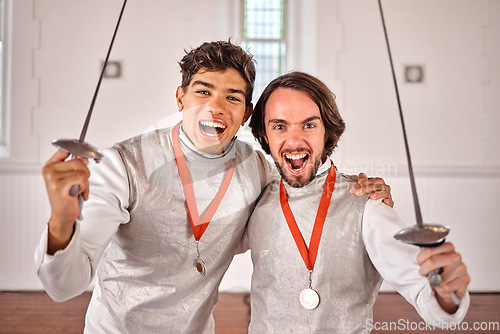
pixel 263 19
pixel 270 58
pixel 264 38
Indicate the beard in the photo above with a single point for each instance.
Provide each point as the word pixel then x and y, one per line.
pixel 299 181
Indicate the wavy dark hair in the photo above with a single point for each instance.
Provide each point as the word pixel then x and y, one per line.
pixel 219 56
pixel 318 92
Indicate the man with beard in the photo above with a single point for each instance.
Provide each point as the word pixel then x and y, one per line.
pixel 320 254
pixel 166 210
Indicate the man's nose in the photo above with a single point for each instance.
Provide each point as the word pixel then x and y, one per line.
pixel 294 137
pixel 216 105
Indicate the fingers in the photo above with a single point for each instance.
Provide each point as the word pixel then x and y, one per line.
pixel 451 291
pixel 388 202
pixel 60 175
pixel 57 157
pixel 428 256
pixel 58 164
pixel 362 178
pixel 369 185
pixel 60 156
pixel 375 187
pixel 454 280
pixel 64 174
pixel 454 276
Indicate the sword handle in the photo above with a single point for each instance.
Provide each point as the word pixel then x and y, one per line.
pixel 435 280
pixel 73 191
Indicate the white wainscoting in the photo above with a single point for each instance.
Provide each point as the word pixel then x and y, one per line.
pixel 465 199
pixel 24 210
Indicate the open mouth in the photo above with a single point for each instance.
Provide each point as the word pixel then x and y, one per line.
pixel 211 128
pixel 296 161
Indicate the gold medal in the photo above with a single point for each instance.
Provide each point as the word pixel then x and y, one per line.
pixel 309 299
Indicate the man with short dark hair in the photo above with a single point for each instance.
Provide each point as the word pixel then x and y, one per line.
pixel 159 262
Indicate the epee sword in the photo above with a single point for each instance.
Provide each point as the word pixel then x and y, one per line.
pixel 423 235
pixel 79 147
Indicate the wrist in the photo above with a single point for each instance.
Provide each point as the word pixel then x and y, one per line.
pixel 59 236
pixel 446 303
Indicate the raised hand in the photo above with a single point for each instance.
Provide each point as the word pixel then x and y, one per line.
pixel 60 175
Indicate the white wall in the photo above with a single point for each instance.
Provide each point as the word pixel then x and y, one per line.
pixel 452 118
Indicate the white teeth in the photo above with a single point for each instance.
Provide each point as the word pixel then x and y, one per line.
pixel 213 124
pixel 296 156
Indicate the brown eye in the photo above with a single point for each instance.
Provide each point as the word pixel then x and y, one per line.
pixel 233 98
pixel 309 126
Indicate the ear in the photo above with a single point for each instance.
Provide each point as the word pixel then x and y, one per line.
pixel 179 96
pixel 248 113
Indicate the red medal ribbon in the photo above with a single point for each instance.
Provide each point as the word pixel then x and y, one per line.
pixel 199 225
pixel 309 256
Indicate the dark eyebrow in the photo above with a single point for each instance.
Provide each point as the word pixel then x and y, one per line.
pixel 282 121
pixel 202 83
pixel 277 120
pixel 310 119
pixel 211 86
pixel 236 91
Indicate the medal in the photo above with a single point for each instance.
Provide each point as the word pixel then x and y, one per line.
pixel 198 263
pixel 199 266
pixel 198 224
pixel 309 298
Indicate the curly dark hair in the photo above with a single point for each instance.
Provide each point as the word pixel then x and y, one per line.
pixel 318 92
pixel 219 56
